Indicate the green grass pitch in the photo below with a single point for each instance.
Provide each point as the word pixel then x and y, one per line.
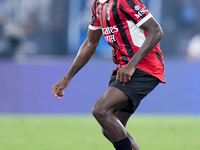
pixel 65 132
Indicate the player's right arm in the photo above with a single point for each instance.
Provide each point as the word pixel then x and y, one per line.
pixel 84 54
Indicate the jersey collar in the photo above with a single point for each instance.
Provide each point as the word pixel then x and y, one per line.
pixel 102 1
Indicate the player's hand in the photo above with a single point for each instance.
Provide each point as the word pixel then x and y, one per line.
pixel 59 86
pixel 124 74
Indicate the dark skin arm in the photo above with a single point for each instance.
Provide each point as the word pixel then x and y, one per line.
pixel 84 54
pixel 154 35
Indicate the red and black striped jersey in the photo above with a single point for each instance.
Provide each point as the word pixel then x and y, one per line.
pixel 120 22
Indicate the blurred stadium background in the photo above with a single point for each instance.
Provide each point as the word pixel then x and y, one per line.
pixel 39 40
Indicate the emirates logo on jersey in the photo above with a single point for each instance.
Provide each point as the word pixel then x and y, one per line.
pixel 108 14
pixel 108 33
pixel 110 30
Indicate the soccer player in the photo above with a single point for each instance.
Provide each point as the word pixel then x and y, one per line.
pixel 133 33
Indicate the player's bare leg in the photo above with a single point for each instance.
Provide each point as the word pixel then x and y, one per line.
pixel 123 117
pixel 111 101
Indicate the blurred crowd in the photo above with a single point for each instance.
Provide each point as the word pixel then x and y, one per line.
pixel 29 27
pixel 180 22
pixel 58 27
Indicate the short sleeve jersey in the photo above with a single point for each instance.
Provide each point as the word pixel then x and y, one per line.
pixel 120 22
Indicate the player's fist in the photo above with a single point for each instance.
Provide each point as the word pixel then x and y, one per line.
pixel 59 86
pixel 124 74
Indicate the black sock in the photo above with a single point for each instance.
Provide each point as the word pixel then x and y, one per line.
pixel 124 144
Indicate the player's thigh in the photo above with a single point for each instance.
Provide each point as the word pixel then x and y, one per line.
pixel 113 99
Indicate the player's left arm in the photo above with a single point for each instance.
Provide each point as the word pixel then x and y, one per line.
pixel 154 35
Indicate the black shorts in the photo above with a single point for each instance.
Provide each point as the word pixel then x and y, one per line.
pixel 141 84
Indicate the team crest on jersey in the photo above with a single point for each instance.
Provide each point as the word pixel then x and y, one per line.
pixel 108 14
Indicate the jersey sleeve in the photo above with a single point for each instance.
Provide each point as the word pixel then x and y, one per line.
pixel 136 11
pixel 94 23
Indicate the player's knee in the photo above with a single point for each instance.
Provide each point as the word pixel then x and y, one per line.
pixel 99 113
